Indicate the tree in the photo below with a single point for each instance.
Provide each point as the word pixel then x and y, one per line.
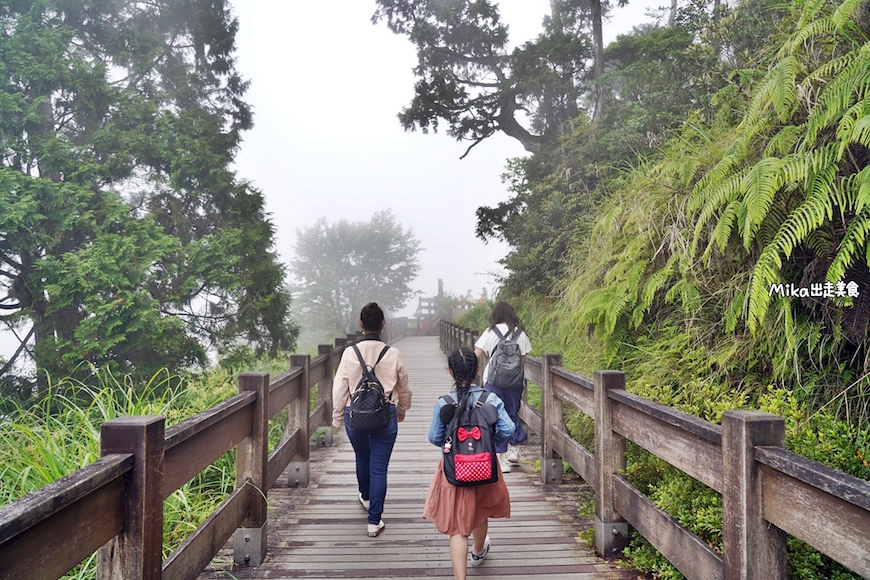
pixel 469 80
pixel 125 238
pixel 340 268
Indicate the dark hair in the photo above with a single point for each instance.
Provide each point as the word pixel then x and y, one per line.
pixel 371 317
pixel 463 363
pixel 504 312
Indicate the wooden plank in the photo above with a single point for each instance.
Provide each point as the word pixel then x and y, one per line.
pixel 530 417
pixel 282 455
pixel 842 485
pixel 60 540
pixel 575 454
pixel 831 525
pixel 698 457
pixel 18 516
pixel 210 434
pixel 194 554
pixel 586 383
pixel 686 551
pixel 319 418
pixel 283 390
pixel 534 368
pixel 684 421
pixel 573 393
pixel 318 371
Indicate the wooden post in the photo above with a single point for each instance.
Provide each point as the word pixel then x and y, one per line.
pixel 324 388
pixel 137 552
pixel 753 548
pixel 551 417
pixel 298 473
pixel 611 530
pixel 252 457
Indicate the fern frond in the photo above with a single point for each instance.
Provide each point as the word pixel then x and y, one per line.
pixel 805 31
pixel 850 85
pixel 722 231
pixel 760 185
pixel 843 14
pixel 853 242
pixel 778 90
pixel 784 141
pixel 854 126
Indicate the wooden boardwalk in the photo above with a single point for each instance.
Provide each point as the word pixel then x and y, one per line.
pixel 320 531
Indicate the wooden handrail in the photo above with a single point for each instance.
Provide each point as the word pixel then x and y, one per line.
pixel 118 499
pixel 767 491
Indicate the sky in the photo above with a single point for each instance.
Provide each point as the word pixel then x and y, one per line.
pixel 326 86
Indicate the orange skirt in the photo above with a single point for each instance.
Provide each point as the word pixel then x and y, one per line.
pixel 459 510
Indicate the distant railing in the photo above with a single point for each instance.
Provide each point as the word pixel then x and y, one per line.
pixel 115 505
pixel 767 492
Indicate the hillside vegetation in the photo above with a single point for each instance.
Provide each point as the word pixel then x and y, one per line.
pixel 710 237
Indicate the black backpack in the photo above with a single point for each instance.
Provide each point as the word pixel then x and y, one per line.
pixel 506 369
pixel 469 449
pixel 369 407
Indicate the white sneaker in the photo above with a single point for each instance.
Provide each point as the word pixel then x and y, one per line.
pixel 513 455
pixel 375 530
pixel 477 559
pixel 505 466
pixel 364 502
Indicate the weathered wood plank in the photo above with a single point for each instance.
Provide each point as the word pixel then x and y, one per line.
pixel 842 485
pixel 686 551
pixel 575 454
pixel 51 546
pixel 319 418
pixel 186 562
pixel 282 455
pixel 684 449
pixel 574 393
pixel 530 417
pixel 831 525
pixel 684 421
pixel 319 369
pixel 533 369
pixel 20 515
pixel 284 389
pixel 194 444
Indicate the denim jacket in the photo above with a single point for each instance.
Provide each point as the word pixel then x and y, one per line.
pixel 504 427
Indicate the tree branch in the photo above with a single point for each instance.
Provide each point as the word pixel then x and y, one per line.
pixel 15 356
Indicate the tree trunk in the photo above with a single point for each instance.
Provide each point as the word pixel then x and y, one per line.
pixel 672 17
pixel 598 68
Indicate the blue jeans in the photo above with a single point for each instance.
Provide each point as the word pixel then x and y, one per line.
pixel 373 450
pixel 511 399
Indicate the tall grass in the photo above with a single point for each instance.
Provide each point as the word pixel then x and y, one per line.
pixel 59 434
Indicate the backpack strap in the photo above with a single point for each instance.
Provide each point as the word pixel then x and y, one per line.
pixel 362 361
pixel 365 367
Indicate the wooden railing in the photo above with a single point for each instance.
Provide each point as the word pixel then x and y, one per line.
pixel 115 505
pixel 767 492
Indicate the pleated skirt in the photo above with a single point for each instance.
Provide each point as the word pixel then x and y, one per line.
pixel 459 510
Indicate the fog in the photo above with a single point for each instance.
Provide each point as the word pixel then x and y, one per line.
pixel 326 87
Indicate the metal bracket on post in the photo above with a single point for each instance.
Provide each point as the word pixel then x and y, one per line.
pixel 249 545
pixel 298 473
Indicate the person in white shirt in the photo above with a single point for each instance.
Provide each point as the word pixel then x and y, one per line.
pixel 504 317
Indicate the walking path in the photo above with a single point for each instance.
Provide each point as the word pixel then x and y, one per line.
pixel 320 531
